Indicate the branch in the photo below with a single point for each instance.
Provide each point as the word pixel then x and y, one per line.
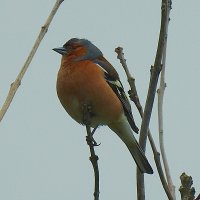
pixel 187 192
pixel 15 85
pixel 159 167
pixel 155 72
pixel 133 92
pixel 134 97
pixel 91 143
pixel 160 92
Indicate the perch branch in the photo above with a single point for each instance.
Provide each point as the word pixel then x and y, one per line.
pixel 15 85
pixel 91 143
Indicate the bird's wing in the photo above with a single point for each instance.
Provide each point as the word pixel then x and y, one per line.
pixel 112 78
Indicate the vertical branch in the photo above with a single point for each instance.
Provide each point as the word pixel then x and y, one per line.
pixel 134 97
pixel 91 143
pixel 94 160
pixel 160 92
pixel 155 72
pixel 15 85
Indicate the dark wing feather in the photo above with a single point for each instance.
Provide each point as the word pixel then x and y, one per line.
pixel 119 91
pixel 112 78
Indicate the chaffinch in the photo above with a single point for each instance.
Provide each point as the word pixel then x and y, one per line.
pixel 86 77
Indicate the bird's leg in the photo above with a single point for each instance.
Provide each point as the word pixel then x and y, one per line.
pixel 87 113
pixel 94 129
pixel 92 133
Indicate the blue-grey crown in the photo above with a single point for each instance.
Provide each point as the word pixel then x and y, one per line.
pixel 92 53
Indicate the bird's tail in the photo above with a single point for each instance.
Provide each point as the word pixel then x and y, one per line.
pixel 123 130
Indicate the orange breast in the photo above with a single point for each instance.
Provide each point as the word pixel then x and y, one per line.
pixel 83 82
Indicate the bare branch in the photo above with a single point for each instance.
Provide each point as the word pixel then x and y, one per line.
pixel 15 85
pixel 160 92
pixel 131 80
pixel 91 142
pixel 155 72
pixel 159 167
pixel 134 97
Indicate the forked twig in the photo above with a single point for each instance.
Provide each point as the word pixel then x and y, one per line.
pixel 160 93
pixel 15 85
pixel 155 72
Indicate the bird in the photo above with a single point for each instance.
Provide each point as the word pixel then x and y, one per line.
pixel 86 77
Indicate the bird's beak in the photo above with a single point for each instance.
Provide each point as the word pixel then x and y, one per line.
pixel 60 50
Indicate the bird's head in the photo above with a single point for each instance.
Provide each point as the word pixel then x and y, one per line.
pixel 80 49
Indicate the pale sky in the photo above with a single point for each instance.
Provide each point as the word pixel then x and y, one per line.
pixel 43 152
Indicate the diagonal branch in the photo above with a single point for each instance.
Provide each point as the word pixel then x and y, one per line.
pixel 15 85
pixel 155 72
pixel 134 97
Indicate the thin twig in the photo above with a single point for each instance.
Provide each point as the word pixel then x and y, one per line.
pixel 15 85
pixel 159 167
pixel 131 80
pixel 91 143
pixel 160 92
pixel 134 97
pixel 155 72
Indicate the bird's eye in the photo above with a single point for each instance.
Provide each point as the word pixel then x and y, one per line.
pixel 74 46
pixel 69 48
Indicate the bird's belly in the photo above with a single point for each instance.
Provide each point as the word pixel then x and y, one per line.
pixel 76 89
pixel 99 111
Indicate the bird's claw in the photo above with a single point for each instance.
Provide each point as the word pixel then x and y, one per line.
pixel 91 141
